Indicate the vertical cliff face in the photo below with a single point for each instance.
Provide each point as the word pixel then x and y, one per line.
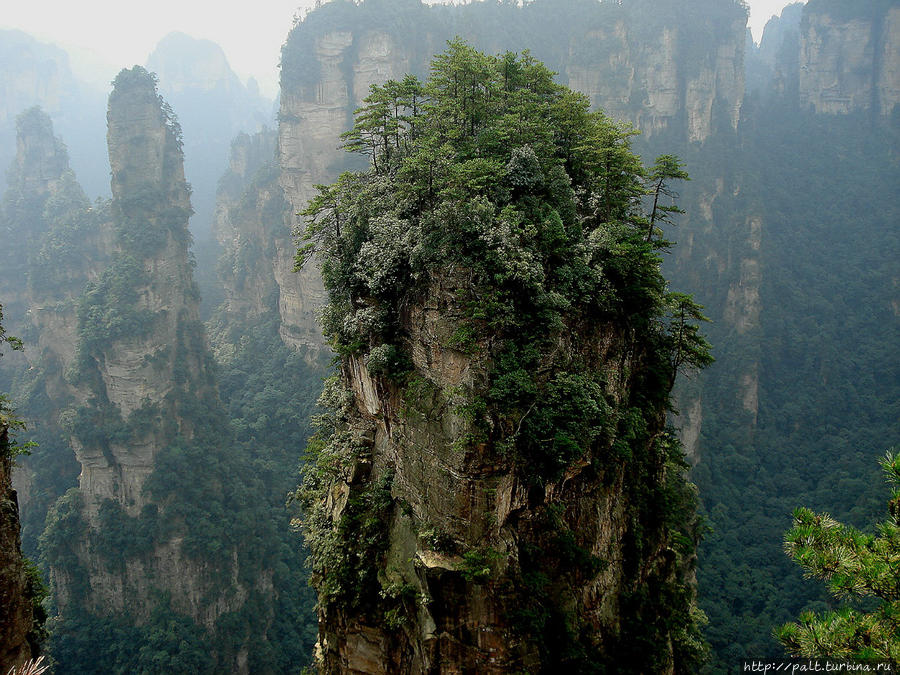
pixel 53 248
pixel 666 83
pixel 251 215
pixel 36 174
pixel 846 59
pixel 149 289
pixel 17 611
pixel 130 541
pixel 473 556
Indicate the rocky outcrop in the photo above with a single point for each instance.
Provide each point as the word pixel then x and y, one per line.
pixel 464 530
pixel 454 523
pixel 843 60
pixel 54 247
pixel 15 604
pixel 136 369
pixel 141 374
pixel 36 174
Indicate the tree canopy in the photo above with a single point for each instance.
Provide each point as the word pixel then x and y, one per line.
pixel 493 167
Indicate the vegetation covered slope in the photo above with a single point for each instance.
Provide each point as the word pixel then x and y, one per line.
pixel 803 399
pixel 493 486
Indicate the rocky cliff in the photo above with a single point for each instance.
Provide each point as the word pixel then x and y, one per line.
pixel 37 172
pixel 840 59
pixel 145 411
pixel 55 246
pixel 493 488
pixel 16 613
pixel 252 225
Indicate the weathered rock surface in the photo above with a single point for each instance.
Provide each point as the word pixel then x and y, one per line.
pixel 458 601
pixel 840 63
pixel 15 605
pixel 54 248
pixel 141 374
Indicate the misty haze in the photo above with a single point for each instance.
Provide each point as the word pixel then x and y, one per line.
pixel 502 337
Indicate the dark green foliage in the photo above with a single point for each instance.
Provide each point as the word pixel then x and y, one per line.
pixel 496 181
pixel 37 591
pixel 822 352
pixel 65 528
pixel 10 422
pixel 269 393
pixel 168 643
pixel 855 566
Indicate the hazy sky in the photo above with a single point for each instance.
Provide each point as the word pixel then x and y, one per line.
pixel 106 35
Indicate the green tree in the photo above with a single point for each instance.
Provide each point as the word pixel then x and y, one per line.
pixel 855 566
pixel 666 169
pixel 687 347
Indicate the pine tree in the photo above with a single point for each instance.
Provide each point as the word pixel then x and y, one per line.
pixel 855 565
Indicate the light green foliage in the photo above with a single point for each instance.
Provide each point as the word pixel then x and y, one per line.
pixel 479 566
pixel 854 565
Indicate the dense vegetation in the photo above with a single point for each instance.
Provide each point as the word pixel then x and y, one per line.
pixel 856 566
pixel 821 350
pixel 10 422
pixel 495 181
pixel 11 447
